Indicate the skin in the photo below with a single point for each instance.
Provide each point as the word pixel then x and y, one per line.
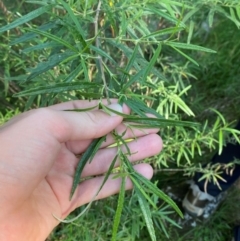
pixel 38 159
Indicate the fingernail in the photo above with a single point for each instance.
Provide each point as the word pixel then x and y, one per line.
pixel 115 107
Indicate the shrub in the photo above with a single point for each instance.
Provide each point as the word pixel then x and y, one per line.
pixel 164 58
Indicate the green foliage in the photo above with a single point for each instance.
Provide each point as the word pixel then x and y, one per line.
pixel 171 59
pixel 87 156
pixel 7 116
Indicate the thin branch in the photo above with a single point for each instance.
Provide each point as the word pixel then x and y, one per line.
pixel 168 170
pixel 99 58
pixel 4 8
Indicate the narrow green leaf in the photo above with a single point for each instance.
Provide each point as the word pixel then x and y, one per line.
pixel 39 2
pixel 216 124
pixel 41 47
pixel 136 183
pixel 30 36
pixel 178 3
pixel 83 110
pixel 186 56
pixel 179 103
pixel 190 14
pixel 190 31
pixel 134 108
pixel 166 217
pixel 75 20
pixel 123 24
pixel 142 28
pixel 140 107
pixel 85 69
pixel 118 213
pixel 152 62
pixel 26 18
pixel 108 173
pixel 145 97
pixel 154 189
pixel 146 214
pixel 238 11
pixel 163 227
pixel 220 139
pixel 143 63
pixel 133 79
pixel 199 149
pixel 189 46
pixel 111 17
pixel 126 50
pixel 169 7
pixel 81 164
pixel 233 16
pixel 118 140
pixel 226 14
pixel 165 16
pixel 73 17
pixel 73 74
pixel 29 102
pixel 211 17
pixel 138 186
pixel 124 143
pixel 164 31
pixel 109 110
pixel 234 132
pixel 90 95
pixel 54 38
pixel 219 115
pixel 102 53
pixel 19 78
pixel 148 122
pixel 57 88
pixel 96 147
pixel 53 61
pixel 130 63
pixel 132 32
pixel 72 57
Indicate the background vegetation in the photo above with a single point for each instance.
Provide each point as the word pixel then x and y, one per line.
pixel 146 51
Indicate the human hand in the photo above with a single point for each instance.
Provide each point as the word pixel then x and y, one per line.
pixel 38 159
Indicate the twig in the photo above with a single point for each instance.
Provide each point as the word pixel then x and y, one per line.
pixel 4 8
pixel 168 170
pixel 99 58
pixel 7 14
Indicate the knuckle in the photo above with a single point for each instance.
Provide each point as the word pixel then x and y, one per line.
pixel 94 119
pixel 100 123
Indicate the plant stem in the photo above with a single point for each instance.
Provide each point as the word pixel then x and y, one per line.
pixel 4 8
pixel 99 58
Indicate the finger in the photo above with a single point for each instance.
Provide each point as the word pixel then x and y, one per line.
pixel 64 126
pixel 72 126
pixel 127 134
pixel 81 104
pixel 78 147
pixel 141 148
pixel 88 189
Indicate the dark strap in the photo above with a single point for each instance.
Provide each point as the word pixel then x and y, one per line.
pixel 237 233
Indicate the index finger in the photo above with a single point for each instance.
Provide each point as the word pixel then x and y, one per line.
pixel 80 104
